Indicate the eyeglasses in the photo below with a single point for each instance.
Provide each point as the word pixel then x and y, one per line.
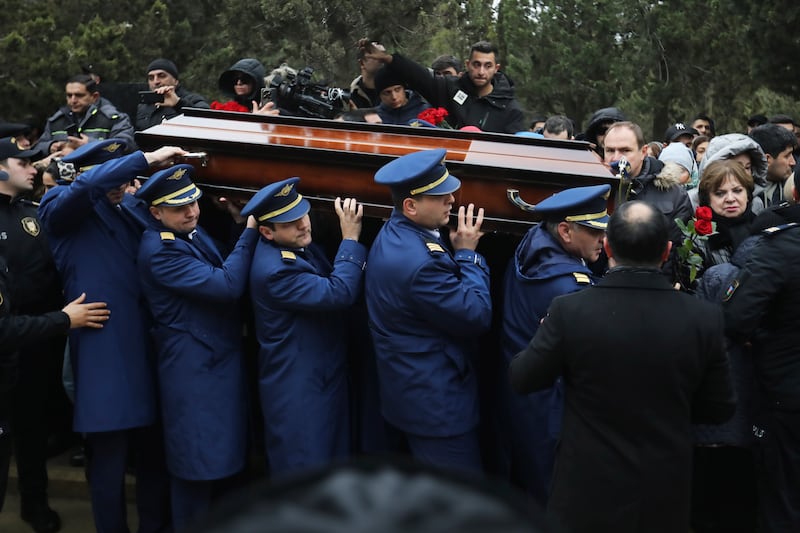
pixel 241 80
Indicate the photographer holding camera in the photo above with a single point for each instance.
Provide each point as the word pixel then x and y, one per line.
pixel 166 97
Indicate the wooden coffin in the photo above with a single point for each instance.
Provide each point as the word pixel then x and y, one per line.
pixel 244 152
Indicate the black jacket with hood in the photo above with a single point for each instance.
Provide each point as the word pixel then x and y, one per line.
pixel 252 68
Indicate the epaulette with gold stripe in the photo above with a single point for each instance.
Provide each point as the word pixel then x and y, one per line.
pixel 167 236
pixel 288 257
pixel 582 278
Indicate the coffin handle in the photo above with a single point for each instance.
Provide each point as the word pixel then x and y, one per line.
pixel 514 198
pixel 202 157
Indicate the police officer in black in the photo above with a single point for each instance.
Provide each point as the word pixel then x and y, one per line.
pixel 87 117
pixel 35 288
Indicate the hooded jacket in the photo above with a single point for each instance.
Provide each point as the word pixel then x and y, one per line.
pixel 255 70
pixel 539 271
pixel 496 112
pixel 729 146
pixel 600 117
pixel 663 191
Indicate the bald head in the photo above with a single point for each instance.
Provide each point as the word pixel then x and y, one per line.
pixel 638 235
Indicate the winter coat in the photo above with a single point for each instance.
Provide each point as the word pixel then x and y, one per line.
pixel 496 112
pixel 255 70
pixel 148 115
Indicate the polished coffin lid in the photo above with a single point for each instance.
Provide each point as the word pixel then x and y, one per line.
pixel 244 152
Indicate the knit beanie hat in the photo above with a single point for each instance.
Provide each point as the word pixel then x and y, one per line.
pixel 386 77
pixel 165 65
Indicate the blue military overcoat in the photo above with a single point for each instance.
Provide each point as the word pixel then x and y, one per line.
pixel 94 244
pixel 531 424
pixel 194 298
pixel 426 309
pixel 300 307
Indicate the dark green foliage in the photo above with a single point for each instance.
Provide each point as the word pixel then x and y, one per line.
pixel 659 61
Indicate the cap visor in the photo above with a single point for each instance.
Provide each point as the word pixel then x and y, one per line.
pixel 448 186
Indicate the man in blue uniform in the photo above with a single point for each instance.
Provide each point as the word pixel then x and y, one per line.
pixel 550 261
pixel 300 303
pixel 427 307
pixel 94 229
pixel 193 296
pixel 16 331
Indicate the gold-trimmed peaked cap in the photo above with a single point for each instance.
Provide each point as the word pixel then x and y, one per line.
pixel 416 173
pixel 95 153
pixel 278 202
pixel 583 205
pixel 172 187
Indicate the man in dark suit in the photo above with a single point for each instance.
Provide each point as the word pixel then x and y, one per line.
pixel 640 362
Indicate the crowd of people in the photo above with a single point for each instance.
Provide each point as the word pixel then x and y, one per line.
pixel 601 413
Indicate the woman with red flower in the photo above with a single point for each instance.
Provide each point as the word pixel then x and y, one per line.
pixel 725 192
pixel 721 501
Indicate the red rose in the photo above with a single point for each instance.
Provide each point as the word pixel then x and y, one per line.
pixel 433 115
pixel 703 213
pixel 703 227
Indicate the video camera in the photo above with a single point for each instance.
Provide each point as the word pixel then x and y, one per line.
pixel 297 94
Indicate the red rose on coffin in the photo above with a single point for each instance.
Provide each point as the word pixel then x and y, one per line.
pixel 230 106
pixel 435 115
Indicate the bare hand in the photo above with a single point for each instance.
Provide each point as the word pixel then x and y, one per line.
pixel 57 146
pixel 231 205
pixel 468 233
pixel 134 186
pixel 373 50
pixel 164 156
pixel 91 315
pixel 170 98
pixel 252 222
pixel 350 214
pixel 267 109
pixel 77 142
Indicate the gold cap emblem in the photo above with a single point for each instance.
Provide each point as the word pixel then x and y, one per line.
pixel 113 147
pixel 178 174
pixel 286 190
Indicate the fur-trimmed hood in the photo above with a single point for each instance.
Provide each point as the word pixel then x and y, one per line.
pixel 732 144
pixel 669 176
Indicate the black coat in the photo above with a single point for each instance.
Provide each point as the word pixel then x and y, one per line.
pixel 148 115
pixel 496 112
pixel 640 361
pixel 762 307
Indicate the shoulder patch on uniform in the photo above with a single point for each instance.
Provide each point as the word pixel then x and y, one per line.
pixel 167 236
pixel 777 229
pixel 582 278
pixel 730 290
pixel 435 247
pixel 288 256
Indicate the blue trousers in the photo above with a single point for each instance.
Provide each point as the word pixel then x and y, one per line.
pixel 190 501
pixel 107 454
pixel 460 452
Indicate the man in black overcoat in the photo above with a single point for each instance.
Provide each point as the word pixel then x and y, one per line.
pixel 640 362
